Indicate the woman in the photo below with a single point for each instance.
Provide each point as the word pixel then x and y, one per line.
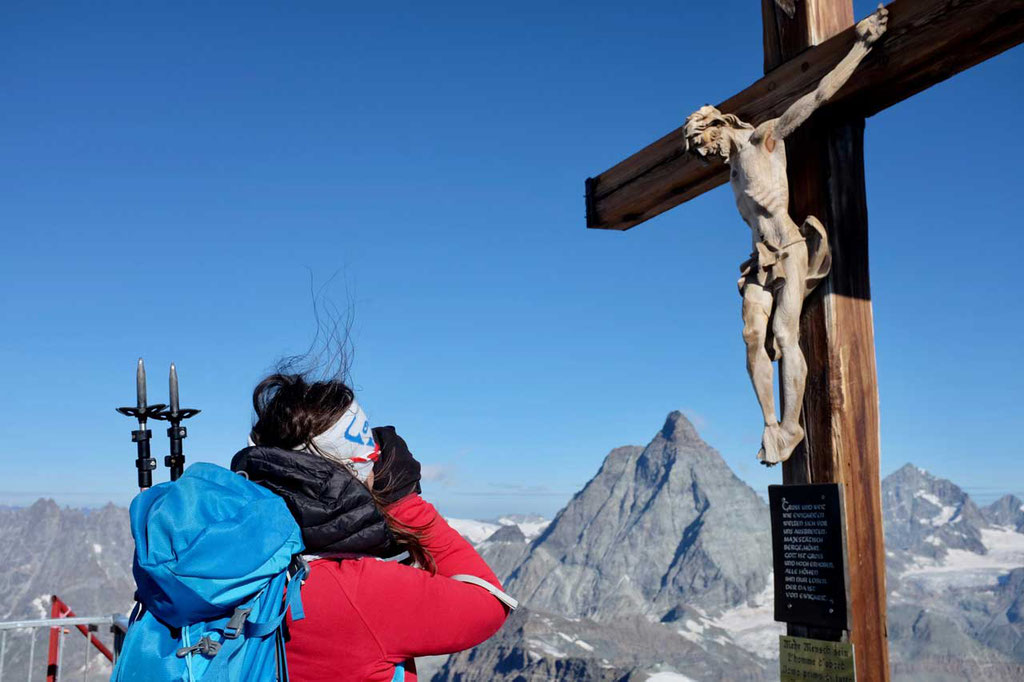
pixel 354 492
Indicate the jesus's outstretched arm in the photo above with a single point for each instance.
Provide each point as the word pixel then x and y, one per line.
pixel 868 32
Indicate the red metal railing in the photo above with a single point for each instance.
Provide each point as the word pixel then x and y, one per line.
pixel 58 609
pixel 60 624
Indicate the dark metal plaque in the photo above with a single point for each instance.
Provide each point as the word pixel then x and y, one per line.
pixel 807 548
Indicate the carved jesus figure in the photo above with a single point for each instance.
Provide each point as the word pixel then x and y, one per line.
pixel 788 259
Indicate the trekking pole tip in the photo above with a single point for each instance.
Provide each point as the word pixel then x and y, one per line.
pixel 174 389
pixel 140 386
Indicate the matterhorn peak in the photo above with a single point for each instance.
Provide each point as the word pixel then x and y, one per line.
pixel 679 429
pixel 656 528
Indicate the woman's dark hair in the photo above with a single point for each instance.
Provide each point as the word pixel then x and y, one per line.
pixel 291 410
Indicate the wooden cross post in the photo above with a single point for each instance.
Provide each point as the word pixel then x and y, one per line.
pixel 927 41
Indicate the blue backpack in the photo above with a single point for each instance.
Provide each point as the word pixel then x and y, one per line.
pixel 213 555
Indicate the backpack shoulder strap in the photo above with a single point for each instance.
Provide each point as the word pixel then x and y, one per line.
pixel 504 598
pixel 292 600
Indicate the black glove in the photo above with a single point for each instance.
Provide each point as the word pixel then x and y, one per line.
pixel 396 473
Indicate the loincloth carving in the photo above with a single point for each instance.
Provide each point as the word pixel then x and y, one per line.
pixel 765 268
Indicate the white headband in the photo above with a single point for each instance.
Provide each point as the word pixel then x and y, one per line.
pixel 348 441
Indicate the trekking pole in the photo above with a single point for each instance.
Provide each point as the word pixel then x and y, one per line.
pixel 144 463
pixel 175 432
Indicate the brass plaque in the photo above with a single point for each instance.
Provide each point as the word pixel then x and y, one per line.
pixel 815 660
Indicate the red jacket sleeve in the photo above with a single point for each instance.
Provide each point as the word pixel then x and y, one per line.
pixel 428 614
pixel 452 554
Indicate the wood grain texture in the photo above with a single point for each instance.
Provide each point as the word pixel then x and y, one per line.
pixel 825 161
pixel 840 409
pixel 812 23
pixel 927 42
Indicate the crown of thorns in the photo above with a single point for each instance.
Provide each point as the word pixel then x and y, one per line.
pixel 698 121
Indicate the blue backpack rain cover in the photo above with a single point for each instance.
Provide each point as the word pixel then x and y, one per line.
pixel 212 557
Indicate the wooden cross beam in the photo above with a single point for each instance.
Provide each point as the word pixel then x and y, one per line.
pixel 927 41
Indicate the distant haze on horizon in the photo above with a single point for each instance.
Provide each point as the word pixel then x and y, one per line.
pixel 545 503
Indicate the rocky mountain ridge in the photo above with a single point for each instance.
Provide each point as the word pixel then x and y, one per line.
pixel 658 569
pixel 956 581
pixel 955 575
pixel 82 555
pixel 654 524
pixel 644 571
pixel 1008 511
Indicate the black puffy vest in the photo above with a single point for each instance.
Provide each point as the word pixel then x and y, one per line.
pixel 334 510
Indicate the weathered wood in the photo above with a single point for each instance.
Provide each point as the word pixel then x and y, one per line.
pixel 812 23
pixel 825 161
pixel 927 42
pixel 841 416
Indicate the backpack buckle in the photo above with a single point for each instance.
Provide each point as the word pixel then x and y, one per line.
pixel 299 568
pixel 236 623
pixel 206 647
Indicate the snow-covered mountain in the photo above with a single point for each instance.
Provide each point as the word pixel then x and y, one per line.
pixel 955 576
pixel 530 525
pixel 658 570
pixel 660 565
pixel 472 530
pixel 955 579
pixel 927 516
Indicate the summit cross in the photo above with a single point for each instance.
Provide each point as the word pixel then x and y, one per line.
pixel 926 42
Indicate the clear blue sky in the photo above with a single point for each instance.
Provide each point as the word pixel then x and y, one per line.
pixel 171 175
